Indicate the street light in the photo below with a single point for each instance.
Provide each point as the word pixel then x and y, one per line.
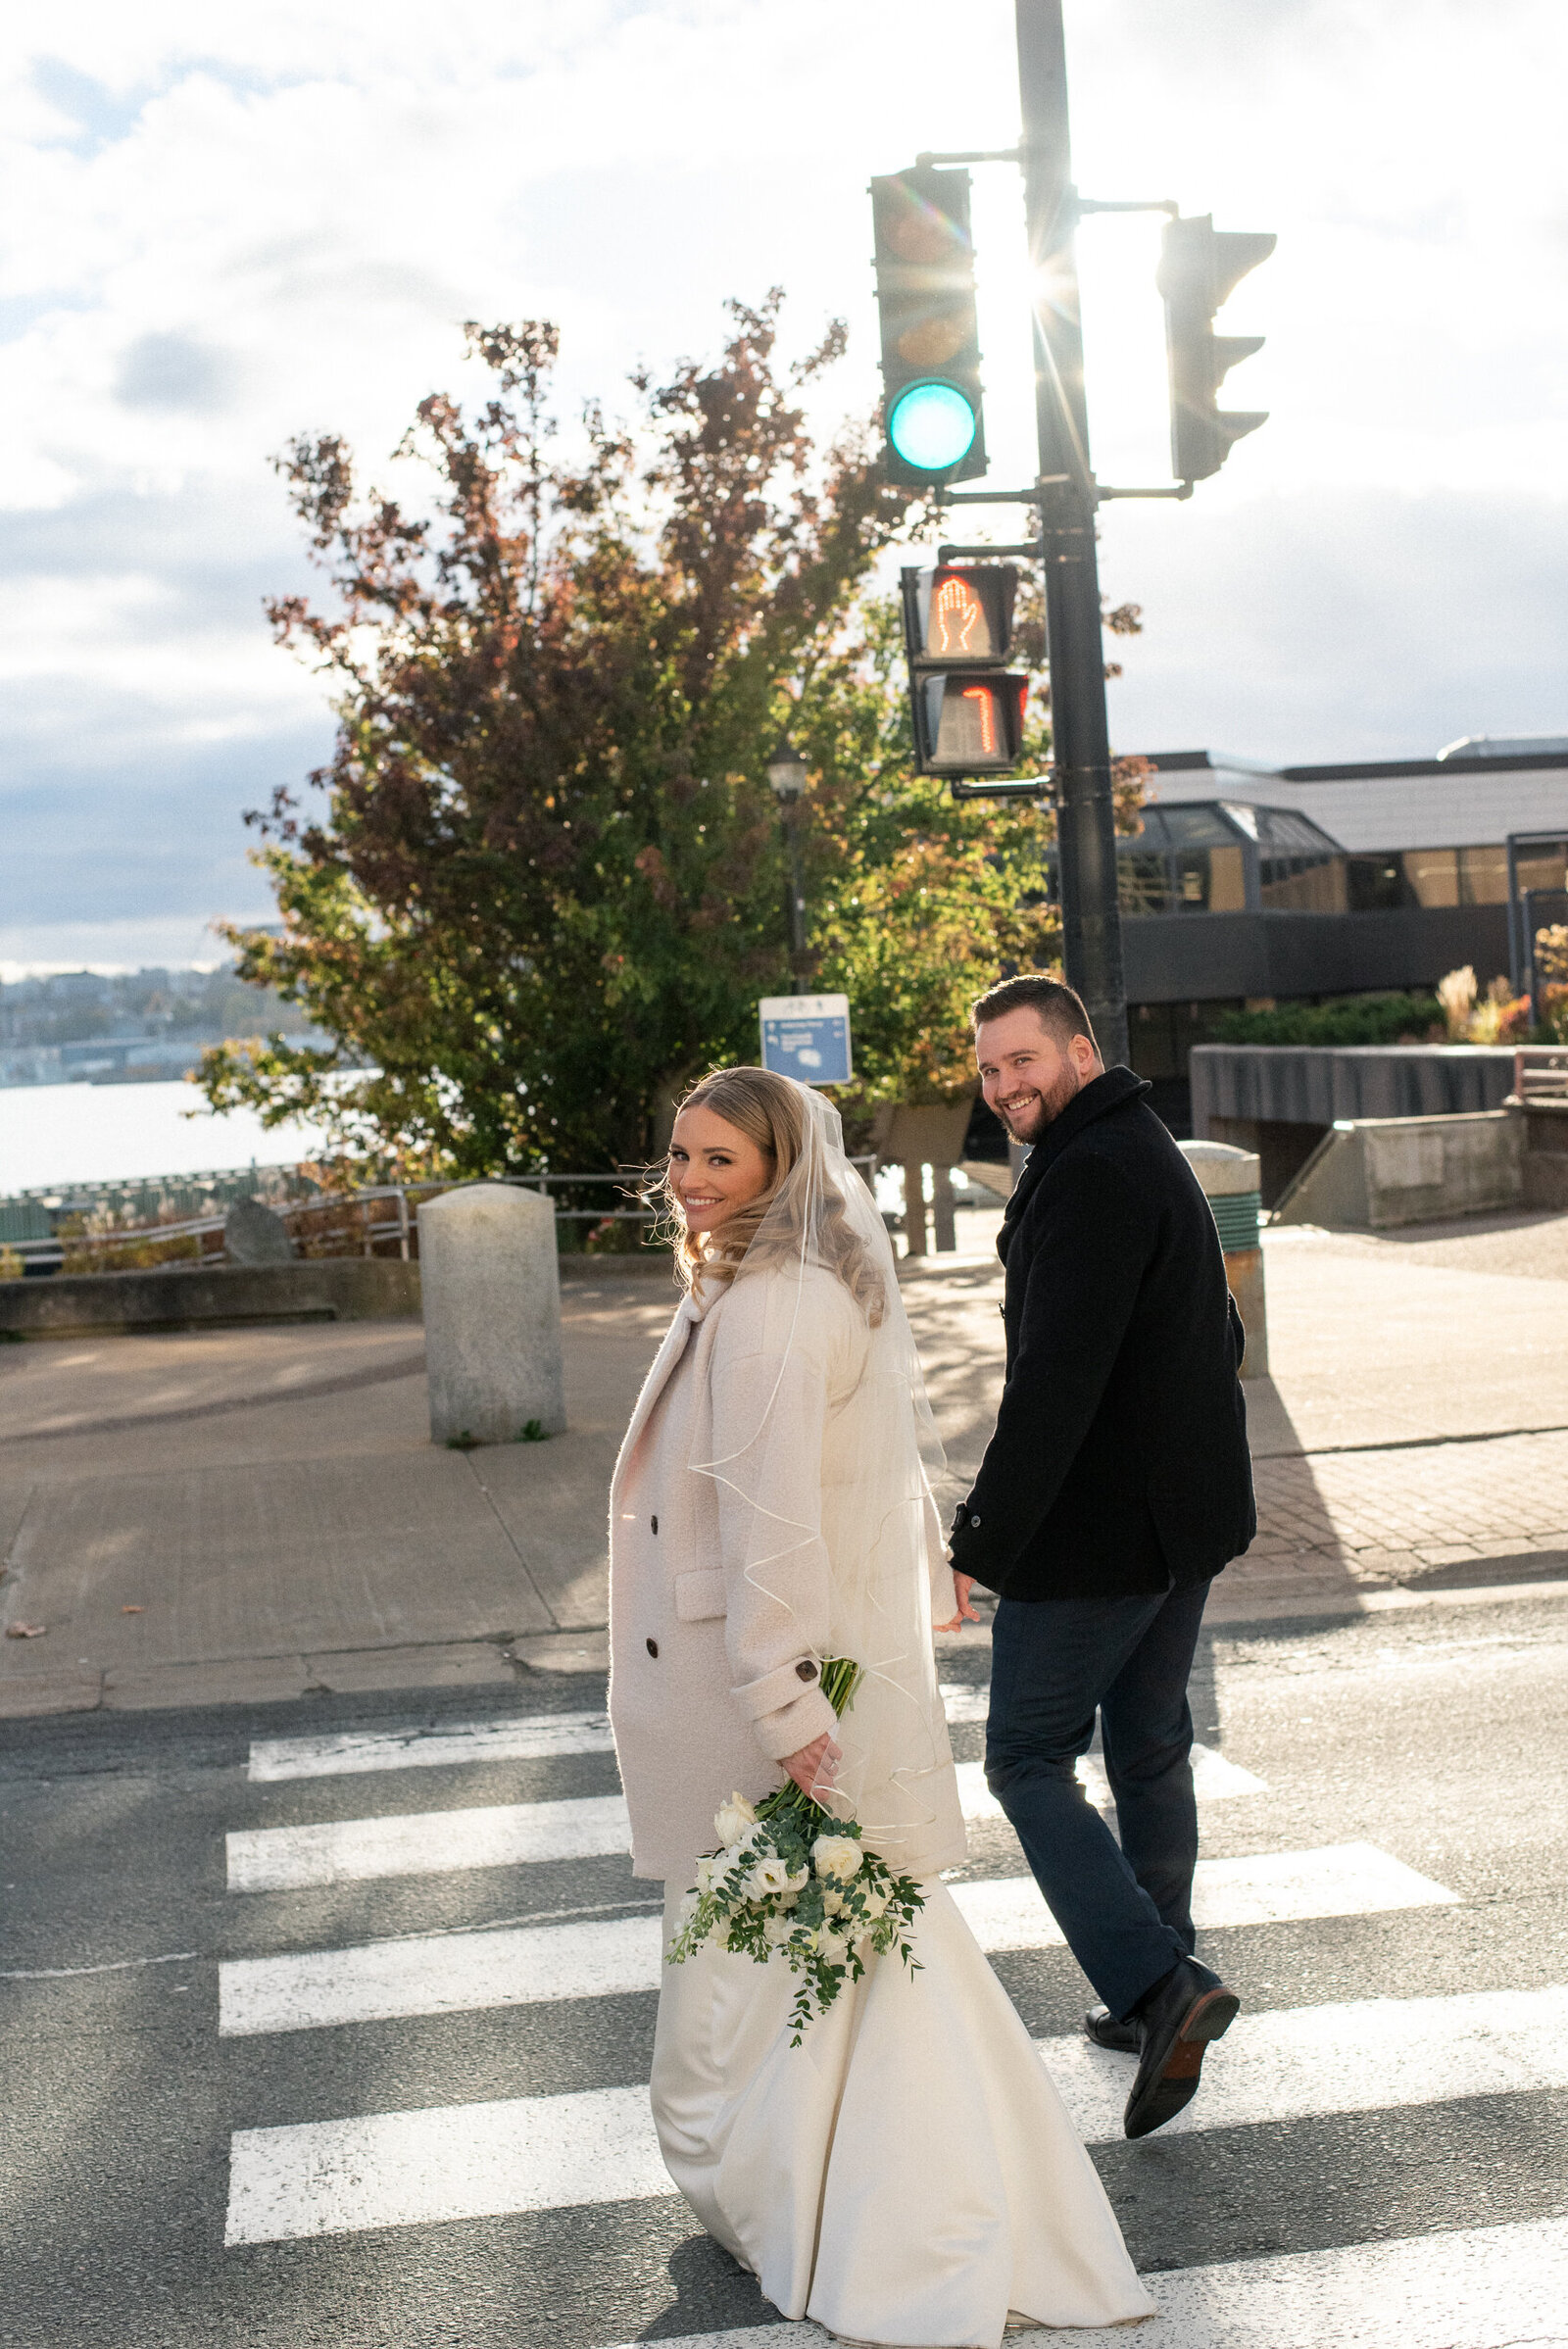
pixel 785 780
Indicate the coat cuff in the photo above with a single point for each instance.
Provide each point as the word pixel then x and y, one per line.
pixel 779 1688
pixel 799 1722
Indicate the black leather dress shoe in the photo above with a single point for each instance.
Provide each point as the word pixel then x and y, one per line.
pixel 1175 2022
pixel 1101 2026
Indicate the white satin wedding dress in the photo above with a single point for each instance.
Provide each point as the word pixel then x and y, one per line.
pixel 908 2174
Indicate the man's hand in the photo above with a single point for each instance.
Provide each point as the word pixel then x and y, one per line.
pixel 815 1764
pixel 962 1584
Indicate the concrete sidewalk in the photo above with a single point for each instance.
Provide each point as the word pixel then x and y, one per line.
pixel 243 1514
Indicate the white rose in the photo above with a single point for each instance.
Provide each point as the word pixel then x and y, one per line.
pixel 769 1876
pixel 733 1818
pixel 837 1856
pixel 832 1903
pixel 874 1902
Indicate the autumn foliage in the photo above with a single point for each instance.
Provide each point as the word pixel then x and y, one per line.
pixel 540 885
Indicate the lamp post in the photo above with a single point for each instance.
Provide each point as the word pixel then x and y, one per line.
pixel 785 780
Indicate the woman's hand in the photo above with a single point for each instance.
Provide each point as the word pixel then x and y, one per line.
pixel 814 1764
pixel 962 1584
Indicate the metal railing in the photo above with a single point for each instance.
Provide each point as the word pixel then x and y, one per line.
pixel 1541 1073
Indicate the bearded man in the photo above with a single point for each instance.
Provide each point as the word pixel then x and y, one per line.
pixel 1117 1483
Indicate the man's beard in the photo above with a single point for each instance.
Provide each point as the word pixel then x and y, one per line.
pixel 1043 1111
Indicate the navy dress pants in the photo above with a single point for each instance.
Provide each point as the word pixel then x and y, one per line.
pixel 1126 1912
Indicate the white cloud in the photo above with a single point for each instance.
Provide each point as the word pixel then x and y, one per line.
pixel 227 225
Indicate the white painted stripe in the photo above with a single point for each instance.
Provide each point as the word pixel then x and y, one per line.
pixel 1277 1888
pixel 440 1974
pixel 276 1859
pixel 282 1859
pixel 518 1965
pixel 1363 2056
pixel 1488 2288
pixel 464 2161
pixel 533 1737
pixel 558 2152
pixel 1214 1780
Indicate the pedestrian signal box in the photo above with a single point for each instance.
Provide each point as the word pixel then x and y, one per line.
pixel 967 708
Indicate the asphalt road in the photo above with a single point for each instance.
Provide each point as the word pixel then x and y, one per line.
pixel 1408 1844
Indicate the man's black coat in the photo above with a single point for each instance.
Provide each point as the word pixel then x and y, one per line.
pixel 1119 1462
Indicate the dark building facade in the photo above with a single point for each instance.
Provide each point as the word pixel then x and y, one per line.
pixel 1251 886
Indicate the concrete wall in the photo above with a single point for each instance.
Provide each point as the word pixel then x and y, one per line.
pixel 169 1298
pixel 1374 1173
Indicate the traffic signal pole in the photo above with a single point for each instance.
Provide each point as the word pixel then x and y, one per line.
pixel 1086 829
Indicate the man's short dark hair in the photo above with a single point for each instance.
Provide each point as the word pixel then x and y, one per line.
pixel 1059 1008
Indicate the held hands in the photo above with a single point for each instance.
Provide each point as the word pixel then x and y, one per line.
pixel 815 1764
pixel 962 1584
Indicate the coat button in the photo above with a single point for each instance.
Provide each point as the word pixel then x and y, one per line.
pixel 806 1671
pixel 654 1524
pixel 973 1519
pixel 653 1647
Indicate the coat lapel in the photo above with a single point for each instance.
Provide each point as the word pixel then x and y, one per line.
pixel 676 1338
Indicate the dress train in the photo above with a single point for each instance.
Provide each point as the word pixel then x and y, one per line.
pixel 908 2174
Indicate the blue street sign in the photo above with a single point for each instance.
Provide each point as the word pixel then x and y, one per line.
pixel 806 1037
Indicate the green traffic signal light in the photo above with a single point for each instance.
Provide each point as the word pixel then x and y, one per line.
pixel 932 427
pixel 926 311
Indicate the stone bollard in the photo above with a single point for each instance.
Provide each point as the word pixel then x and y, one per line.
pixel 1232 1184
pixel 492 1314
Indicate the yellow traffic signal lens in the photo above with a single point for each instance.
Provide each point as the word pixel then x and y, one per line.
pixel 932 427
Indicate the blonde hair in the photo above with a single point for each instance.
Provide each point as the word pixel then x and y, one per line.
pixel 766 1109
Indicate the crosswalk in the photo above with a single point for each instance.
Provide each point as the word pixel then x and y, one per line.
pixel 570 2152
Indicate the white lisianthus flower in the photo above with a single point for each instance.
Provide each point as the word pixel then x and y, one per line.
pixel 733 1818
pixel 707 1870
pixel 832 1903
pixel 837 1856
pixel 777 1929
pixel 798 1880
pixel 873 1902
pixel 686 1912
pixel 769 1876
pixel 834 1947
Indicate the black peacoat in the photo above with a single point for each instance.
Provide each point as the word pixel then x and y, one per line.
pixel 1119 1462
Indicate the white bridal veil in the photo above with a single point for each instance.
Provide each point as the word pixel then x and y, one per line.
pixel 819 1438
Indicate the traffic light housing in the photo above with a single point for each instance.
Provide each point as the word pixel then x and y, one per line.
pixel 931 403
pixel 966 705
pixel 1200 267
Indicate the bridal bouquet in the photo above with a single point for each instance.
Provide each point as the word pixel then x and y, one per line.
pixel 790 1880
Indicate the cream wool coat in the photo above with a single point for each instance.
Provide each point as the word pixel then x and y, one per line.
pixel 713 1681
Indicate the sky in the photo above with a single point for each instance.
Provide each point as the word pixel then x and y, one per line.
pixel 227 226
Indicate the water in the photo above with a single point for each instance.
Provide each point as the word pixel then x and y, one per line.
pixel 51 1135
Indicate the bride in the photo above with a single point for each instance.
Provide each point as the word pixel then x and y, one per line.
pixel 908 2173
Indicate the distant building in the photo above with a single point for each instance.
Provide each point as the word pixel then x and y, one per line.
pixel 1250 885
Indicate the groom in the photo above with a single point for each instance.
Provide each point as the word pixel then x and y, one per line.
pixel 1116 1483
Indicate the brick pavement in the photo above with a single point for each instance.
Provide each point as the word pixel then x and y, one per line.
pixel 1407 1514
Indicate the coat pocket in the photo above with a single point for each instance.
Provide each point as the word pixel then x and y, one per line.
pixel 697 1596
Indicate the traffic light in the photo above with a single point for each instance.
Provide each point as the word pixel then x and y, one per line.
pixel 966 705
pixel 930 346
pixel 1200 267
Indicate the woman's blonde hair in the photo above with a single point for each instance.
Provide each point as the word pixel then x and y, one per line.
pixel 766 1109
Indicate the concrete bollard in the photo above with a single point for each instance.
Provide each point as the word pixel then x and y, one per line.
pixel 492 1314
pixel 1232 1182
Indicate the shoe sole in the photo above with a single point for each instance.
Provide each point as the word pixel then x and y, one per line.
pixel 1175 2085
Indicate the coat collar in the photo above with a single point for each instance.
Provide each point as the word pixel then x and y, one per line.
pixel 1110 1091
pixel 689 1317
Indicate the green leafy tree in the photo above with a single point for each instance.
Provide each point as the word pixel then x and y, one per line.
pixel 541 883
